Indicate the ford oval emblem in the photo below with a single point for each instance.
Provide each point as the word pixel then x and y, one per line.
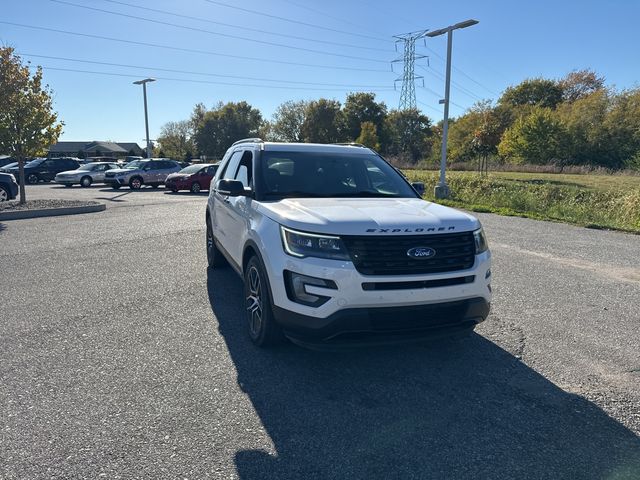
pixel 421 253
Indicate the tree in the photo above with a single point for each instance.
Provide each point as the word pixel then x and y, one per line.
pixel 225 124
pixel 362 107
pixel 537 91
pixel 580 84
pixel 369 136
pixel 323 122
pixel 538 138
pixel 485 141
pixel 28 124
pixel 175 138
pixel 410 133
pixel 288 120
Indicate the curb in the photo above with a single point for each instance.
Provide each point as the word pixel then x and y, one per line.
pixel 51 212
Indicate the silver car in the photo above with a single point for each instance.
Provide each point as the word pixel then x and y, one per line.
pixel 152 172
pixel 85 175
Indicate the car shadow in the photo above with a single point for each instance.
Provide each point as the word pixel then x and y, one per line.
pixel 3 227
pixel 187 193
pixel 449 409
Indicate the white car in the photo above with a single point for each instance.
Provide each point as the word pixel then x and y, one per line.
pixel 335 246
pixel 85 175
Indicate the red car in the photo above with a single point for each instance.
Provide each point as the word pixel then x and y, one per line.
pixel 194 177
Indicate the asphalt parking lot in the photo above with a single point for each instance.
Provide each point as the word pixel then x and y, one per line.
pixel 121 356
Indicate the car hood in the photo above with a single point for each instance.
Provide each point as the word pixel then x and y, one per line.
pixel 73 172
pixel 178 176
pixel 368 216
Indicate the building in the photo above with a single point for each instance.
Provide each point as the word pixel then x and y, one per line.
pixel 95 149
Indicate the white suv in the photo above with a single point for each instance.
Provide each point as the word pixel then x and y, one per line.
pixel 335 246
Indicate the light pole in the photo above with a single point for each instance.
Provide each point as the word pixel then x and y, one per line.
pixel 146 115
pixel 442 189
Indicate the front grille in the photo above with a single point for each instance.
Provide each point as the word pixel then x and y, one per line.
pixel 387 255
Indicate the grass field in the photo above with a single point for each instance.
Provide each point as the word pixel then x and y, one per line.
pixel 597 201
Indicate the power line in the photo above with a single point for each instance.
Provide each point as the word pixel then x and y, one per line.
pixel 190 50
pixel 456 85
pixel 227 35
pixel 429 106
pixel 187 72
pixel 188 80
pixel 297 22
pixel 242 27
pixel 462 72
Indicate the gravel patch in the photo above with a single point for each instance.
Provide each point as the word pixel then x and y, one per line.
pixel 15 205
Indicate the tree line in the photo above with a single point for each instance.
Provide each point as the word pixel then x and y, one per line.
pixel 575 120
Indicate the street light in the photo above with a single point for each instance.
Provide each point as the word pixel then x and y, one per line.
pixel 442 189
pixel 146 116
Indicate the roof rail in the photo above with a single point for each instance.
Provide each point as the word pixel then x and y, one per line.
pixel 351 144
pixel 248 140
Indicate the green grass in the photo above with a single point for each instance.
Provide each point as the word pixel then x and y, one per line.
pixel 597 201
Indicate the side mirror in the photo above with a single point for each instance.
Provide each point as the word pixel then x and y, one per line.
pixel 418 187
pixel 232 188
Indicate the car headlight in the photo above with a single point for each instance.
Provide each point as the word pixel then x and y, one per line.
pixel 301 244
pixel 481 241
pixel 13 178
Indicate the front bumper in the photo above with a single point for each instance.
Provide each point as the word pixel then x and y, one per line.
pixel 384 324
pixel 115 181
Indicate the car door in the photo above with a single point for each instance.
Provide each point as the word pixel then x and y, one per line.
pixel 240 207
pixel 98 171
pixel 47 170
pixel 222 211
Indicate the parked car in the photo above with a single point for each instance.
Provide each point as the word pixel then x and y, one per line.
pixel 45 169
pixel 85 175
pixel 334 246
pixel 6 161
pixel 194 177
pixel 152 172
pixel 8 167
pixel 8 187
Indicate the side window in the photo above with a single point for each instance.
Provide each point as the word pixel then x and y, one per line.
pixel 212 170
pixel 232 166
pixel 244 170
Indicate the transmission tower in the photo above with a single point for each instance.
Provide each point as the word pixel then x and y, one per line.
pixel 409 77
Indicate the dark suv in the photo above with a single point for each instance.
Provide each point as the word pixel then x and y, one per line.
pixel 45 169
pixel 8 187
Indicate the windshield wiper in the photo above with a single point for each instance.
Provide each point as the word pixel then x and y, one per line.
pixel 363 194
pixel 295 194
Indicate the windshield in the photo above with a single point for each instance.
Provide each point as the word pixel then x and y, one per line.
pixel 309 174
pixel 135 165
pixel 36 162
pixel 192 169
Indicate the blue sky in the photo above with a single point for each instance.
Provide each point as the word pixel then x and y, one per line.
pixel 514 40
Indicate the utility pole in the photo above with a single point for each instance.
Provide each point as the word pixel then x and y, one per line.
pixel 442 189
pixel 408 91
pixel 146 115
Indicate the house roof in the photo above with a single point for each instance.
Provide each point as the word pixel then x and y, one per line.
pixel 66 147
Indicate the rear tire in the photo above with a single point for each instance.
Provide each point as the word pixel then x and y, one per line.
pixel 115 187
pixel 195 187
pixel 68 185
pixel 263 329
pixel 85 182
pixel 215 259
pixel 4 195
pixel 155 185
pixel 32 179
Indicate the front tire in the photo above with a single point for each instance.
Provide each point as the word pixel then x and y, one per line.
pixel 263 329
pixel 135 183
pixel 115 187
pixel 4 195
pixel 195 187
pixel 85 182
pixel 215 259
pixel 32 179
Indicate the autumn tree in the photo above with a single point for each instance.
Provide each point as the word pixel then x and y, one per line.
pixel 580 84
pixel 28 123
pixel 539 92
pixel 369 136
pixel 323 122
pixel 286 125
pixel 176 140
pixel 217 129
pixel 411 134
pixel 362 107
